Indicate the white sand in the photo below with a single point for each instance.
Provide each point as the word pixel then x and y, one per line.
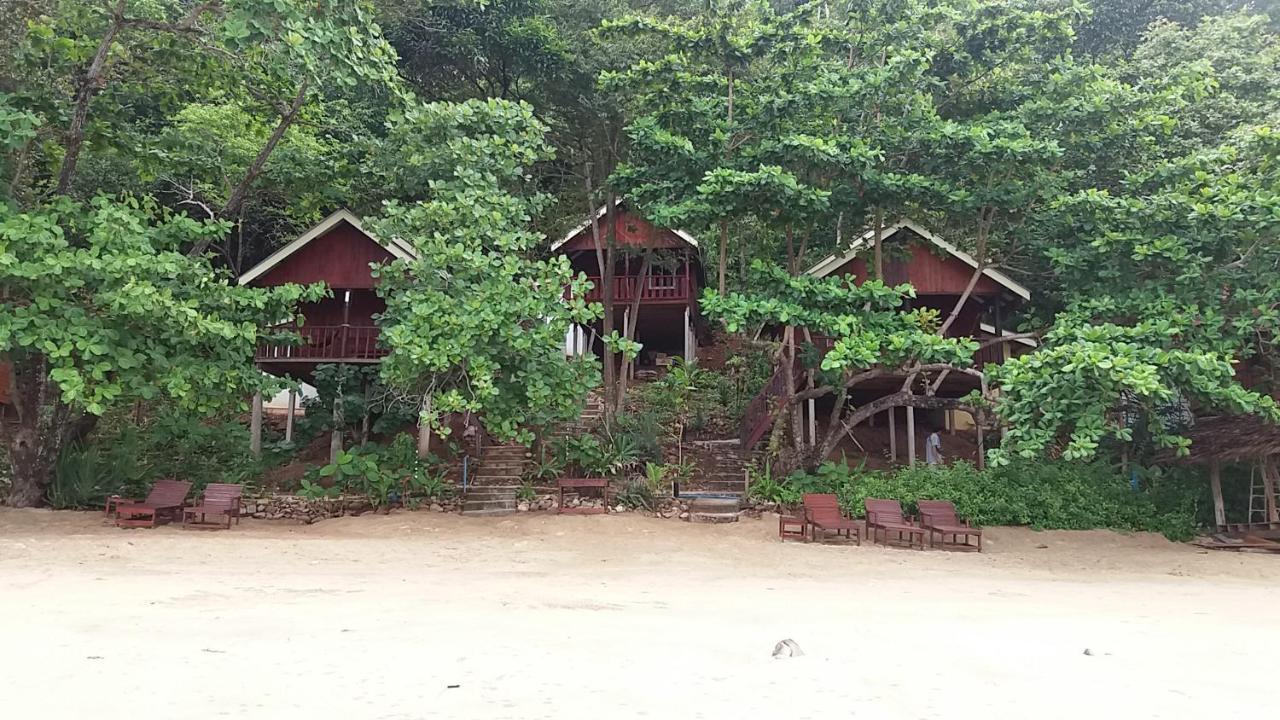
pixel 619 617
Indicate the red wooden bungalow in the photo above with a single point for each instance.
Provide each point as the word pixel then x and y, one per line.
pixel 939 271
pixel 340 328
pixel 667 321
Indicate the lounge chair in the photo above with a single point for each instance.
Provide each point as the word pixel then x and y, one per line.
pixel 822 514
pixel 939 516
pixel 886 516
pixel 219 499
pixel 164 501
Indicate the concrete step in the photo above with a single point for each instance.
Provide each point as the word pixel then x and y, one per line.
pixel 477 505
pixel 492 512
pixel 481 478
pixel 489 491
pixel 713 518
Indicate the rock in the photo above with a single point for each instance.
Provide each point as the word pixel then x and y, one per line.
pixel 522 506
pixel 684 515
pixel 787 648
pixel 620 508
pixel 1088 652
pixel 437 507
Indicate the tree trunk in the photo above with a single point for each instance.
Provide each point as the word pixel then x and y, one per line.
pixel 43 428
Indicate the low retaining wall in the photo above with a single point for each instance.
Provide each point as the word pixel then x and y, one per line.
pixel 292 507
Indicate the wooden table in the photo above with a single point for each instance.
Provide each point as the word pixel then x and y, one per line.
pixel 792 526
pixel 576 484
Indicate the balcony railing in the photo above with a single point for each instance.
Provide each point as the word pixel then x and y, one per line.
pixel 656 288
pixel 324 343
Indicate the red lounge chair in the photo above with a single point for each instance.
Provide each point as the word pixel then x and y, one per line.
pixel 939 516
pixel 164 501
pixel 219 499
pixel 886 516
pixel 822 513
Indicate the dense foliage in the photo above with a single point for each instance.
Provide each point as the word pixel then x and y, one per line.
pixel 1045 496
pixel 1118 158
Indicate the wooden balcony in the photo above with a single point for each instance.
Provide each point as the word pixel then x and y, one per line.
pixel 325 343
pixel 674 289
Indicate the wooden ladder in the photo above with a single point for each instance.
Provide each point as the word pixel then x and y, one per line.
pixel 1264 495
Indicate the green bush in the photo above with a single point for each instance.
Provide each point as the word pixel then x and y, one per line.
pixel 1048 495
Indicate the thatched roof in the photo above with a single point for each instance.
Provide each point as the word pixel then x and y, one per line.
pixel 1231 438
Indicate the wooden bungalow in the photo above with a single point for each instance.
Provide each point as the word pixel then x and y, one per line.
pixel 940 272
pixel 340 328
pixel 665 299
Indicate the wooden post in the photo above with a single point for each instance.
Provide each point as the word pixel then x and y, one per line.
pixel 911 436
pixel 255 426
pixel 982 450
pixel 893 435
pixel 424 428
pixel 688 351
pixel 813 421
pixel 1215 482
pixel 288 419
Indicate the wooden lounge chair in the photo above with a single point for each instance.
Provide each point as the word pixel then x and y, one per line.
pixel 939 516
pixel 886 516
pixel 219 499
pixel 822 514
pixel 164 501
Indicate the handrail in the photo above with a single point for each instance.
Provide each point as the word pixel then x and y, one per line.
pixel 324 342
pixel 656 287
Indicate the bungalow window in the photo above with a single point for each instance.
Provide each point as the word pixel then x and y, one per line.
pixel 662 282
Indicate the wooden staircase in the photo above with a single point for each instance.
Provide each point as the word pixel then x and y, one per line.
pixel 501 465
pixel 760 412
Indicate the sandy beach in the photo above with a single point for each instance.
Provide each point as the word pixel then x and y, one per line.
pixel 424 615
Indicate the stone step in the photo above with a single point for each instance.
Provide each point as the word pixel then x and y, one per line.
pixel 490 491
pixel 491 512
pixel 711 518
pixel 474 505
pixel 496 478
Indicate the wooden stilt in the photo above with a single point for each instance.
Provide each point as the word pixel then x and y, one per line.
pixel 893 435
pixel 813 421
pixel 982 447
pixel 288 419
pixel 255 426
pixel 911 436
pixel 1215 483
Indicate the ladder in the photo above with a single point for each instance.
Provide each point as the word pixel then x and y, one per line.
pixel 1262 509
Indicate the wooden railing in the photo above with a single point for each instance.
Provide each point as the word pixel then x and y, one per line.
pixel 758 416
pixel 358 343
pixel 656 288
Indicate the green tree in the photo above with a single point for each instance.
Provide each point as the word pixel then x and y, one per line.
pixel 106 297
pixel 474 324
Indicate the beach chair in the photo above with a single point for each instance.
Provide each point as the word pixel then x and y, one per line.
pixel 886 516
pixel 822 514
pixel 939 516
pixel 220 499
pixel 164 501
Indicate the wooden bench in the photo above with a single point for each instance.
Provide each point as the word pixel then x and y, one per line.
pixel 576 484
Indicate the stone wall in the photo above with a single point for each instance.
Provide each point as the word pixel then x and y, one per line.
pixel 292 507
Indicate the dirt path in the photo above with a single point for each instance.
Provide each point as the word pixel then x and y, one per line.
pixel 618 617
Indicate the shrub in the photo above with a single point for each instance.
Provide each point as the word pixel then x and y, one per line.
pixel 1049 495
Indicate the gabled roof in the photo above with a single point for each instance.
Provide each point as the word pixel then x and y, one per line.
pixel 397 247
pixel 834 262
pixel 600 214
